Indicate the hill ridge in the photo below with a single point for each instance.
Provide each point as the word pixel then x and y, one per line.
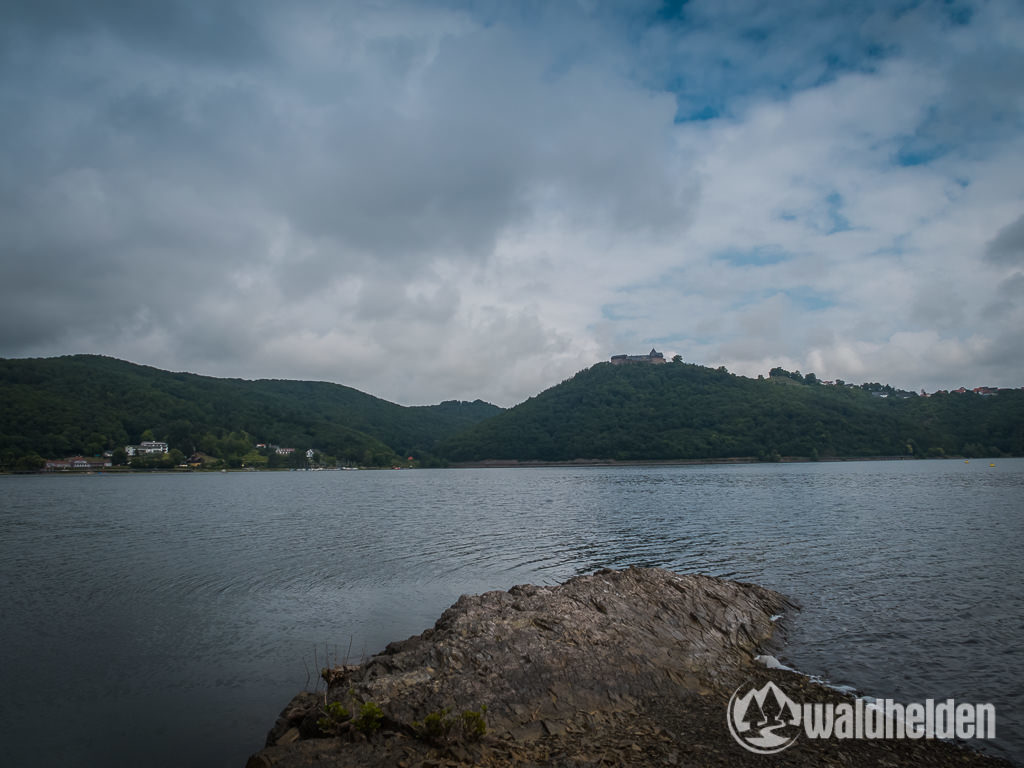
pixel 686 411
pixel 87 404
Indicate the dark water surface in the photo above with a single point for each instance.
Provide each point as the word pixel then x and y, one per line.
pixel 165 620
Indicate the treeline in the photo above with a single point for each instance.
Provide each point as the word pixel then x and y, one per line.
pixel 780 373
pixel 684 411
pixel 87 404
pixel 58 407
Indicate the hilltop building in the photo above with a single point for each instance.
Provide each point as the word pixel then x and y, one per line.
pixel 653 357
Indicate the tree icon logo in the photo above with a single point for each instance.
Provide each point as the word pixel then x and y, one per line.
pixel 763 720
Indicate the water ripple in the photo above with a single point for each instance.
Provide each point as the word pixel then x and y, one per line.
pixel 159 588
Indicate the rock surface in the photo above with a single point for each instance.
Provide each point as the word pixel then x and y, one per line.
pixel 626 668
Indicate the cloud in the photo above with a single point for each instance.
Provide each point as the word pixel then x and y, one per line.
pixel 1007 248
pixel 442 200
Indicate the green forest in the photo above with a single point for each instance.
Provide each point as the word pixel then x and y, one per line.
pixel 87 405
pixel 684 411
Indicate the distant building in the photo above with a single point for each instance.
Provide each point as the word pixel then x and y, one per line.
pixel 653 357
pixel 284 451
pixel 146 447
pixel 76 462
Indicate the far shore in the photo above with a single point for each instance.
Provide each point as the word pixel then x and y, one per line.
pixel 515 463
pixel 508 464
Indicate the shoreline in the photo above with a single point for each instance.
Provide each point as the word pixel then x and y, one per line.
pixel 526 464
pixel 516 464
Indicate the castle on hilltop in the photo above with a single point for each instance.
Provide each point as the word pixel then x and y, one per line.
pixel 654 357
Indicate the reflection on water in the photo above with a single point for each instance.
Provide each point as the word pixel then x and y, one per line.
pixel 165 620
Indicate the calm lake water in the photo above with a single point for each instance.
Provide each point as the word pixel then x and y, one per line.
pixel 166 620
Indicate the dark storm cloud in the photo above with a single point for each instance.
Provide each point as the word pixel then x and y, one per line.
pixel 213 31
pixel 1008 246
pixel 178 174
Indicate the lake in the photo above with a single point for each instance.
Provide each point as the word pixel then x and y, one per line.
pixel 166 619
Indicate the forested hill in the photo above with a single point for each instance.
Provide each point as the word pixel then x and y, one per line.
pixel 86 404
pixel 683 411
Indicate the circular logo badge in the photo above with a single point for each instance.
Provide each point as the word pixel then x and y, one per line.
pixel 763 720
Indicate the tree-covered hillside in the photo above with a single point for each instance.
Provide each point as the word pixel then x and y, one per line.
pixel 85 404
pixel 56 407
pixel 683 411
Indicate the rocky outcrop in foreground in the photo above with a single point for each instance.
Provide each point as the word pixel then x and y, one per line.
pixel 629 667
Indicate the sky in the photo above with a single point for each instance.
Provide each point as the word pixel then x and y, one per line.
pixel 458 200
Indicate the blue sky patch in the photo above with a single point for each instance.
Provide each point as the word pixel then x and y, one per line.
pixel 618 312
pixel 837 222
pixel 761 256
pixel 898 247
pixel 806 298
pixel 686 114
pixel 803 297
pixel 916 152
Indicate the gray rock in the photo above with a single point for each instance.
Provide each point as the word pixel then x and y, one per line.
pixel 543 661
pixel 630 668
